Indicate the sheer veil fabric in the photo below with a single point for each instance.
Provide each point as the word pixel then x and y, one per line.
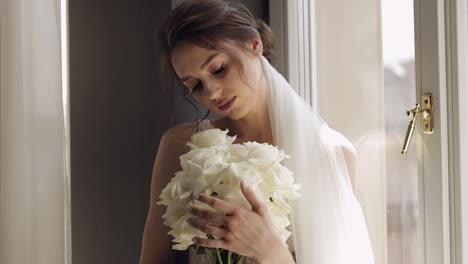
pixel 327 221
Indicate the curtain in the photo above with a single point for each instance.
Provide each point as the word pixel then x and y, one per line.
pixel 34 182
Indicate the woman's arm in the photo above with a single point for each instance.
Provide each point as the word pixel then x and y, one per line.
pixel 349 154
pixel 156 246
pixel 282 256
pixel 337 139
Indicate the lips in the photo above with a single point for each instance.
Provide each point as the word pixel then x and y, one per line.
pixel 227 104
pixel 225 101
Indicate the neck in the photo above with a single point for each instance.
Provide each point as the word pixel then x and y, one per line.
pixel 255 126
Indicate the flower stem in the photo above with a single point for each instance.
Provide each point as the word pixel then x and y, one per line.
pixel 209 253
pixel 239 258
pixel 219 256
pixel 229 257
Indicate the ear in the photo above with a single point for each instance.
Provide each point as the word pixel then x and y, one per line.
pixel 256 45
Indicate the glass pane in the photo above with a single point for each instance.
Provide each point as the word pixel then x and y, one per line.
pixel 400 95
pixel 365 84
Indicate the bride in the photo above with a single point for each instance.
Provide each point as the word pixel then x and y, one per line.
pixel 221 55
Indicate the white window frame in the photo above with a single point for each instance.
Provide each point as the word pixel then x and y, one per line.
pixel 434 191
pixel 294 46
pixel 456 28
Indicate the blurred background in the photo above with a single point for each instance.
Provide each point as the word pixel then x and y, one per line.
pixel 117 117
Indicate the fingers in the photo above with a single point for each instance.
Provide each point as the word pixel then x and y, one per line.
pixel 216 203
pixel 211 217
pixel 209 229
pixel 212 243
pixel 257 205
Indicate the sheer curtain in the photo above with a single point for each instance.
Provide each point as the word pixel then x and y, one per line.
pixel 34 193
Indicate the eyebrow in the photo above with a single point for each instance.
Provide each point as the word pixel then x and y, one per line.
pixel 211 57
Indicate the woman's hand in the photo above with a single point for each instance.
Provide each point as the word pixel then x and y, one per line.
pixel 247 233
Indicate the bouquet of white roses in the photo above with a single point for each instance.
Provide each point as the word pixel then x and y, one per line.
pixel 215 166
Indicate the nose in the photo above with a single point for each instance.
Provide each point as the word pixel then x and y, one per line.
pixel 214 93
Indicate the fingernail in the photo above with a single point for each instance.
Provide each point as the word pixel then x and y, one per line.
pixel 189 209
pixel 195 196
pixel 195 240
pixel 244 184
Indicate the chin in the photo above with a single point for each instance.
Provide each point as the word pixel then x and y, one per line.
pixel 236 115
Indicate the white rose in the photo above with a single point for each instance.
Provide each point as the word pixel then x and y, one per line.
pixel 173 190
pixel 280 180
pixel 197 157
pixel 232 194
pixel 238 153
pixel 189 156
pixel 215 166
pixel 264 154
pixel 204 181
pixel 246 170
pixel 181 230
pixel 210 137
pixel 183 233
pixel 175 210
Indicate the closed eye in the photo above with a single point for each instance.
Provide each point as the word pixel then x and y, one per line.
pixel 220 70
pixel 217 72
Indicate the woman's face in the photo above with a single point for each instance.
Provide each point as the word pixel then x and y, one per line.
pixel 215 81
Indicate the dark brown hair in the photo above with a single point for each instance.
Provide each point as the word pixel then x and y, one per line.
pixel 208 23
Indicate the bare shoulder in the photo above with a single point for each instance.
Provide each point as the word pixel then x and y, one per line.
pixel 174 142
pixel 156 247
pixel 183 131
pixel 172 145
pixel 178 134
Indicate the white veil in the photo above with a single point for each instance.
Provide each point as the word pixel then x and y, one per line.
pixel 327 221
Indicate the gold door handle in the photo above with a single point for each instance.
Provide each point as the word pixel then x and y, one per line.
pixel 427 123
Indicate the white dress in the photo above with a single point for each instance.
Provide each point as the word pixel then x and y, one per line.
pixel 195 258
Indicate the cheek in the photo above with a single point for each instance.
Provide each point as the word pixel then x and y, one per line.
pixel 241 84
pixel 253 75
pixel 204 101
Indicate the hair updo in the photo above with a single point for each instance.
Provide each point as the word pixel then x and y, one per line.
pixel 208 23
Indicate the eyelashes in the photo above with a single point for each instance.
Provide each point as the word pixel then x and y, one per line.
pixel 217 72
